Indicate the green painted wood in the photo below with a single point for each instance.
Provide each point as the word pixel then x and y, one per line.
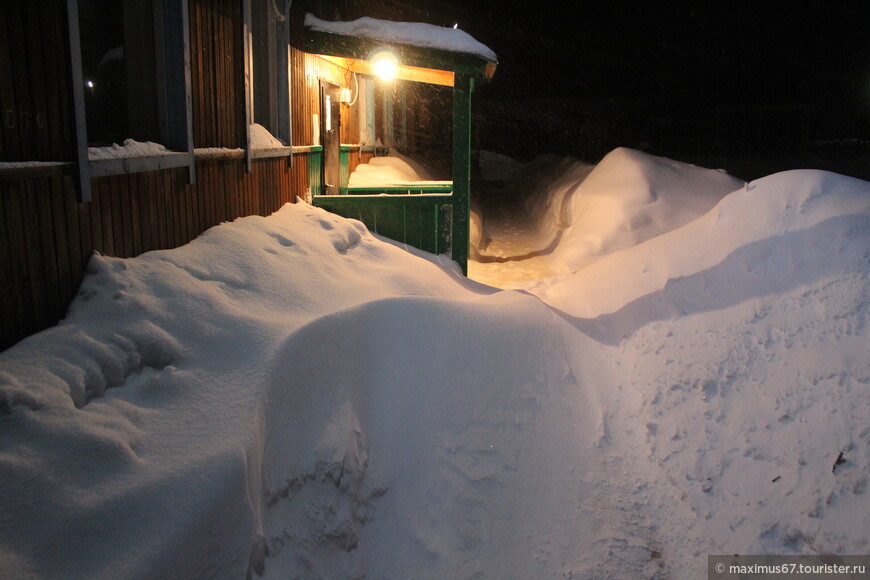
pixel 343 169
pixel 409 189
pixel 462 91
pixel 422 221
pixel 315 171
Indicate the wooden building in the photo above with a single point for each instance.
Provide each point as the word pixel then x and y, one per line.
pixel 135 125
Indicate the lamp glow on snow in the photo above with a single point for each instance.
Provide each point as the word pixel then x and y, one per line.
pixel 385 64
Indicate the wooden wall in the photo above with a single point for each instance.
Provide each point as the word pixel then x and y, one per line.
pixel 47 236
pixel 307 69
pixel 217 73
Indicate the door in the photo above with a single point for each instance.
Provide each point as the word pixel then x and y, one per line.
pixel 330 137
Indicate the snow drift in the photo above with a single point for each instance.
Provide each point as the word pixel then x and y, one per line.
pixel 389 170
pixel 290 396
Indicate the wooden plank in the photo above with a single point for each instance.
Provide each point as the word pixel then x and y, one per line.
pixel 234 195
pixel 74 241
pixel 116 204
pixel 178 199
pixel 103 216
pixel 171 208
pixel 41 258
pixel 156 227
pixel 189 197
pixel 20 301
pixel 199 197
pixel 211 195
pixel 125 217
pixel 61 238
pixel 178 204
pixel 8 323
pixel 83 211
pixel 147 215
pixel 134 186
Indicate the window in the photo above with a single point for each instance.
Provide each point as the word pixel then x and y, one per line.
pixel 268 65
pixel 131 75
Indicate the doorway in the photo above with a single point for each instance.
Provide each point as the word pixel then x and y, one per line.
pixel 330 137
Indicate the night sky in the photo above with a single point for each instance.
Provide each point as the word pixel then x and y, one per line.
pixel 753 87
pixel 583 79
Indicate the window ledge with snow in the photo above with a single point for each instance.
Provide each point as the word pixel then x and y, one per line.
pixel 218 153
pixel 16 170
pixel 133 157
pixel 263 144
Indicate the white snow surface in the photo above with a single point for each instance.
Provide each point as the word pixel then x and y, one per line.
pixel 418 34
pixel 130 148
pixel 385 171
pixel 261 138
pixel 291 396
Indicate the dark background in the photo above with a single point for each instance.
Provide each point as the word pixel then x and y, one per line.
pixel 752 87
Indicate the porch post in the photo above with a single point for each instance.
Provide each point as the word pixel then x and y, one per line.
pixel 462 90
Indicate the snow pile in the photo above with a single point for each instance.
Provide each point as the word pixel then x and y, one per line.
pixel 130 148
pixel 261 138
pixel 752 230
pixel 139 423
pixel 411 33
pixel 628 198
pixel 291 397
pixel 385 171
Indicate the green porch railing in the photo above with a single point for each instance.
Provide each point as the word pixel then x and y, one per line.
pixel 344 167
pixel 404 188
pixel 315 171
pixel 423 221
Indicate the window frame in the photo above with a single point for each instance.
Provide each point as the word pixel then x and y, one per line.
pixel 175 110
pixel 270 54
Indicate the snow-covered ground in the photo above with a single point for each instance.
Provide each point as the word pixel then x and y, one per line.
pixel 679 365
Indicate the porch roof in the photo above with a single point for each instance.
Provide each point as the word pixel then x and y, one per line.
pixel 426 53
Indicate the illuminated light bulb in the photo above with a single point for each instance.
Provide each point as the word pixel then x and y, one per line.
pixel 385 65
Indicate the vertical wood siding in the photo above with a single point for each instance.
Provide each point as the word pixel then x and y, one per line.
pixel 307 69
pixel 47 237
pixel 217 73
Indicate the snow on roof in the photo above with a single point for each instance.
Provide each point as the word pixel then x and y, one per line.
pixel 412 33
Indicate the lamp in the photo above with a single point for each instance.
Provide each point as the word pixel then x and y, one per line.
pixel 385 64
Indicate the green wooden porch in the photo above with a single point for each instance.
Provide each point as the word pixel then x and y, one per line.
pixel 431 216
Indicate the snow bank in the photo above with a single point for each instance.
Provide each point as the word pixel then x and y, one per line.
pixel 388 170
pixel 410 33
pixel 765 217
pixel 630 197
pixel 136 423
pixel 261 138
pixel 291 397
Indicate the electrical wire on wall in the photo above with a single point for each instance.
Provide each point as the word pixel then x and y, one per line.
pixel 356 86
